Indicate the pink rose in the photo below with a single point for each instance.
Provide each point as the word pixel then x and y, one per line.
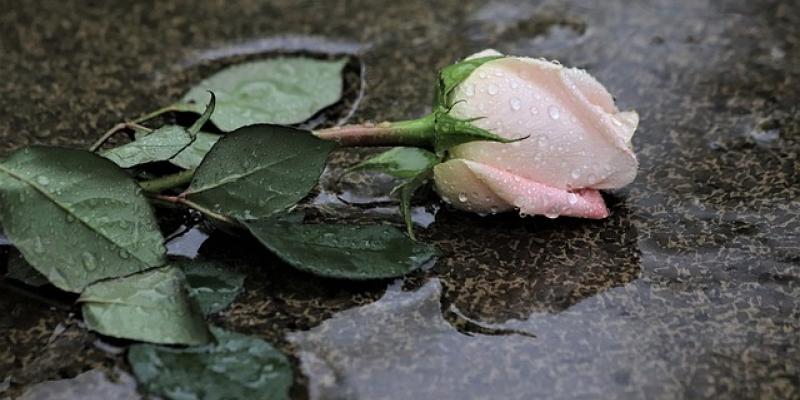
pixel 511 133
pixel 578 141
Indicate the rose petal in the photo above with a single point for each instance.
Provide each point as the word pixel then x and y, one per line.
pixel 497 190
pixel 575 142
pixel 458 185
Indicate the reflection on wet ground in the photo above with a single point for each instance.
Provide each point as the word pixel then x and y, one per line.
pixel 689 290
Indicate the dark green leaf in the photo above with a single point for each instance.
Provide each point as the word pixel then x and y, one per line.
pixel 235 367
pixel 76 217
pixel 343 251
pixel 212 286
pixel 160 145
pixel 20 270
pixel 192 156
pixel 450 131
pixel 452 75
pixel 258 171
pixel 151 306
pixel 402 162
pixel 277 91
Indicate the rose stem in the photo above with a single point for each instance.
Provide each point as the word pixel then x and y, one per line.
pixel 135 123
pixel 163 183
pixel 195 206
pixel 417 132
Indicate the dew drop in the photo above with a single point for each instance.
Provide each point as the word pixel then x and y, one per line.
pixel 514 85
pixel 551 215
pixel 575 174
pixel 462 197
pixel 492 90
pixel 553 112
pixel 516 104
pixel 89 262
pixel 42 180
pixel 470 90
pixel 534 110
pixel 482 74
pixel 572 199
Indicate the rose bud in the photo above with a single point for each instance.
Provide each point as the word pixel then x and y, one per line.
pixel 513 133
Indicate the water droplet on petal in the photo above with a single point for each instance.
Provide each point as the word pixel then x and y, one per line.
pixel 554 112
pixel 575 174
pixel 470 90
pixel 516 104
pixel 42 180
pixel 572 198
pixel 534 110
pixel 462 197
pixel 492 90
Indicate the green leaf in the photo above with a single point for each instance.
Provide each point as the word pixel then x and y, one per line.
pixel 212 286
pixel 76 217
pixel 160 145
pixel 450 131
pixel 402 162
pixel 192 156
pixel 343 251
pixel 258 171
pixel 452 75
pixel 151 306
pixel 277 91
pixel 235 367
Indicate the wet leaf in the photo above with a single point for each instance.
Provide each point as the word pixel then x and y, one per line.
pixel 235 367
pixel 402 162
pixel 343 251
pixel 211 285
pixel 192 156
pixel 151 306
pixel 258 171
pixel 160 145
pixel 278 91
pixel 76 217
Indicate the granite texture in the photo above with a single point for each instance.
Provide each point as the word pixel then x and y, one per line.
pixel 690 289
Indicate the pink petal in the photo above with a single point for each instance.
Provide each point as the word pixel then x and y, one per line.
pixel 498 190
pixel 578 139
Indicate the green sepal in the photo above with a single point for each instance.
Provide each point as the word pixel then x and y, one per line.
pixel 452 75
pixel 450 131
pixel 407 191
pixel 400 162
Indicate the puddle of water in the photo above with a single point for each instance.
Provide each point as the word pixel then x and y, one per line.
pixel 90 385
pixel 187 244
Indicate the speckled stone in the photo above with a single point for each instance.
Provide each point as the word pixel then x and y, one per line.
pixel 690 289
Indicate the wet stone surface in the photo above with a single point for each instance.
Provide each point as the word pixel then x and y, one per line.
pixel 690 289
